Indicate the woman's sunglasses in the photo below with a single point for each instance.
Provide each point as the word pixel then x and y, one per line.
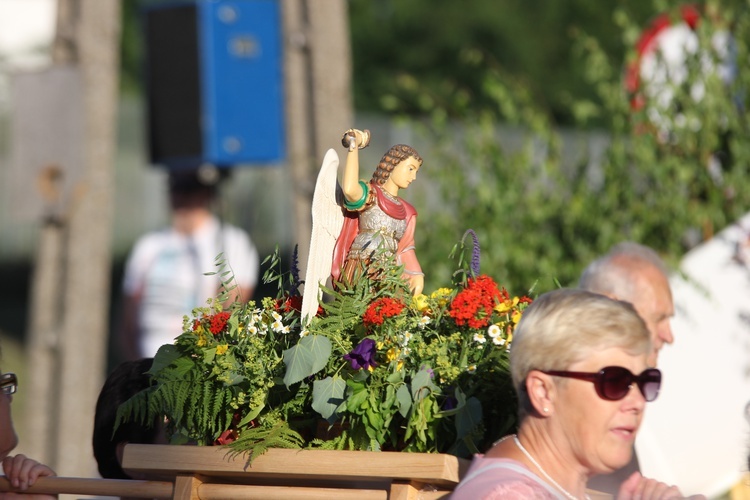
pixel 614 382
pixel 8 383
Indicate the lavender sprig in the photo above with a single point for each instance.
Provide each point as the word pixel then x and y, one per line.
pixel 294 270
pixel 475 254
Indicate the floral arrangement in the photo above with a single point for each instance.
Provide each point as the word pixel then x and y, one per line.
pixel 375 369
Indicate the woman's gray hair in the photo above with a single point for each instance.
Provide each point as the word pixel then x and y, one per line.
pixel 564 326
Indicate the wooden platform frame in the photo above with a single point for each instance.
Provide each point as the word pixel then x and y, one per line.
pixel 210 473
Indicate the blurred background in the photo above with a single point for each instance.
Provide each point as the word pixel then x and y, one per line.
pixel 552 129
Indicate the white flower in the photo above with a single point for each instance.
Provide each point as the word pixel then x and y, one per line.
pixel 424 321
pixel 498 341
pixel 286 329
pixel 277 326
pixel 276 316
pixel 494 331
pixel 304 333
pixel 406 337
pixel 479 337
pixel 471 368
pixel 405 352
pixel 253 329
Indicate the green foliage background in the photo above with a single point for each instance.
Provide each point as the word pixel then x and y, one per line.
pixel 667 184
pixel 470 73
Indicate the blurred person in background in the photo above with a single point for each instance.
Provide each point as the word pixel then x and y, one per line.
pixel 636 274
pixel 20 470
pixel 164 275
pixel 579 364
pixel 125 381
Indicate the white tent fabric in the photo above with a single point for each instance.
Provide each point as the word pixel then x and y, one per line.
pixel 696 434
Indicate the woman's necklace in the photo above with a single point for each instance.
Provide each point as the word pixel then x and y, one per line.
pixel 544 473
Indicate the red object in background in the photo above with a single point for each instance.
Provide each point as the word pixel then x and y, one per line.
pixel 647 43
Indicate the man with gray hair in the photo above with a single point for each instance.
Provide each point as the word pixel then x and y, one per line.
pixel 633 273
pixel 636 274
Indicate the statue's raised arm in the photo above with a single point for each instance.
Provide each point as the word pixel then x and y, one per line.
pixel 377 221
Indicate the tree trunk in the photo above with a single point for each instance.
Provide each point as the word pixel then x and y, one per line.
pixel 317 70
pixel 75 258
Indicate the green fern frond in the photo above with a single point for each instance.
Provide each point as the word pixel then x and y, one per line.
pixel 255 441
pixel 134 409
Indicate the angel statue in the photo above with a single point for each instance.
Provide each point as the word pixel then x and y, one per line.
pixel 358 220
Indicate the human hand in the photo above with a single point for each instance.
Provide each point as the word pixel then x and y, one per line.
pixel 416 284
pixel 637 487
pixel 23 472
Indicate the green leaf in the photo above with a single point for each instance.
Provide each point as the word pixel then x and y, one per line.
pixel 320 347
pixel 404 400
pixel 250 416
pixel 306 358
pixel 209 355
pixel 328 396
pixel 299 361
pixel 469 418
pixel 164 357
pixel 356 400
pixel 421 385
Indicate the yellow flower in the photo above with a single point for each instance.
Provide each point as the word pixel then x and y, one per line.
pixel 507 305
pixel 420 302
pixel 201 341
pixel 516 317
pixel 391 354
pixel 221 349
pixel 441 294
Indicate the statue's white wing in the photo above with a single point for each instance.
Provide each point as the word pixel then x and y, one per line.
pixel 327 220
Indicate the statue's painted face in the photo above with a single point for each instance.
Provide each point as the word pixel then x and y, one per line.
pixel 404 173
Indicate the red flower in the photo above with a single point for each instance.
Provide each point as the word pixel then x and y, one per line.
pixel 226 437
pixel 231 434
pixel 384 307
pixel 218 322
pixel 473 305
pixel 196 324
pixel 293 303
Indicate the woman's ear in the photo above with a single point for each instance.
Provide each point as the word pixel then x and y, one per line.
pixel 541 392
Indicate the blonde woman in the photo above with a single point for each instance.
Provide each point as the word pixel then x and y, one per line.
pixel 579 366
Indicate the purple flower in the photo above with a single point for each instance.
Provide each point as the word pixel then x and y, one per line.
pixel 475 254
pixel 449 403
pixel 363 355
pixel 294 270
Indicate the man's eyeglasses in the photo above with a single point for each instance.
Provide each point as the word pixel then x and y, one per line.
pixel 8 383
pixel 614 382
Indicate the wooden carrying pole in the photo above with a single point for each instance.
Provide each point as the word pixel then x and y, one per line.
pixel 100 487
